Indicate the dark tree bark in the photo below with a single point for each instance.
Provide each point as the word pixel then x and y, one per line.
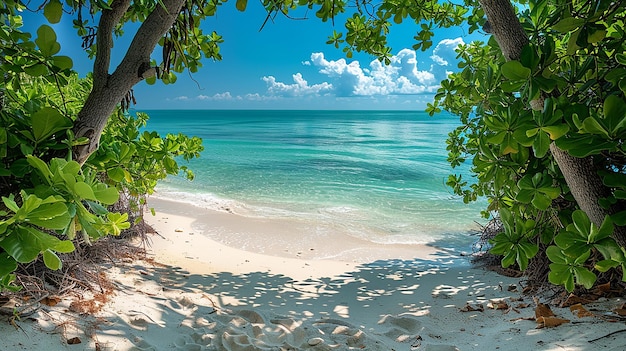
pixel 581 174
pixel 109 88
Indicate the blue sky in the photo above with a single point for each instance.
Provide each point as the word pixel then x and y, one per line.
pixel 288 65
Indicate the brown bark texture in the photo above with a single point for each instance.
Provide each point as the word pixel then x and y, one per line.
pixel 109 88
pixel 580 173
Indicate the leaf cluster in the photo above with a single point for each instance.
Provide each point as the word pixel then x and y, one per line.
pixel 51 204
pixel 574 63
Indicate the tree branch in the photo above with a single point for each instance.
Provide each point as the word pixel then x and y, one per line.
pixel 506 27
pixel 104 41
pixel 147 37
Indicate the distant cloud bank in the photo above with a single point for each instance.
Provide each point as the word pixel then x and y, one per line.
pixel 343 79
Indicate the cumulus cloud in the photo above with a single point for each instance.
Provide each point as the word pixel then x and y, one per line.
pixel 300 87
pixel 401 76
pixel 444 52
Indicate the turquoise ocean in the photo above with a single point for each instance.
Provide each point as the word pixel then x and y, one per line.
pixel 376 175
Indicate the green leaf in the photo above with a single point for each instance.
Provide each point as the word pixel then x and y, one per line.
pixel 7 264
pixel 106 195
pixel 63 62
pixel 47 41
pixel 514 70
pixel 556 132
pixel 241 5
pixel 116 174
pixel 10 203
pixel 53 11
pixel 84 191
pixel 591 125
pixel 25 244
pixel 584 277
pixel 568 24
pixel 614 113
pixel 581 222
pixel 50 216
pixel 51 260
pixel 48 121
pixel 541 201
pixel 605 265
pixel 64 246
pixel 41 166
pixel 541 145
pixel 556 255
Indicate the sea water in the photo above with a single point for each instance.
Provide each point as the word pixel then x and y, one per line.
pixel 376 175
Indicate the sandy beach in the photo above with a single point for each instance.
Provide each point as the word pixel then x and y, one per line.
pixel 219 281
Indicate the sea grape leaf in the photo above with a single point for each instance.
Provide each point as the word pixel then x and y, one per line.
pixel 7 264
pixel 514 70
pixel 51 216
pixel 47 41
pixel 106 195
pixel 83 190
pixel 51 260
pixel 53 11
pixel 48 121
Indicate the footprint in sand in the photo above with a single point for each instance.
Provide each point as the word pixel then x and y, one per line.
pixel 401 328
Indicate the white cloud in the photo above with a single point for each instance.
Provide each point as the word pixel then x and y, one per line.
pixel 401 76
pixel 444 52
pixel 300 87
pixel 181 98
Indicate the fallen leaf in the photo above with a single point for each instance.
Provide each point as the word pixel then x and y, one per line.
pixel 580 311
pixel 621 310
pixel 51 300
pixel 543 310
pixel 548 322
pixel 74 341
pixel 522 305
pixel 498 305
pixel 470 308
pixel 603 288
pixel 573 300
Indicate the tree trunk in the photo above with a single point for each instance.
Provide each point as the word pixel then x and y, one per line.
pixel 580 174
pixel 109 88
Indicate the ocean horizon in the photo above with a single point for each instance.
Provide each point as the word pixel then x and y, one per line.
pixel 375 175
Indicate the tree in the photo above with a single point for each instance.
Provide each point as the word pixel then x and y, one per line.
pixel 50 202
pixel 544 120
pixel 541 102
pixel 542 106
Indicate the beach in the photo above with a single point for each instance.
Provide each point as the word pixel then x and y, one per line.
pixel 197 293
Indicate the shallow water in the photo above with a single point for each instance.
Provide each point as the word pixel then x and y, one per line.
pixel 378 176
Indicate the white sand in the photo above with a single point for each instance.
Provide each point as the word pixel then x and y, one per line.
pixel 342 295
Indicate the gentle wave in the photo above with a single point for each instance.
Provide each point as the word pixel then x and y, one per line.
pixel 377 176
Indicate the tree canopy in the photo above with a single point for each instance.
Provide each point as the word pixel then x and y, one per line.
pixel 541 101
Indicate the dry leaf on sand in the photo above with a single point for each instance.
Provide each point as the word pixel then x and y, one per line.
pixel 498 305
pixel 543 310
pixel 621 310
pixel 470 308
pixel 580 311
pixel 547 322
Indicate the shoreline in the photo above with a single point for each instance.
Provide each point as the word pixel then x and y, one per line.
pixel 268 239
pixel 195 293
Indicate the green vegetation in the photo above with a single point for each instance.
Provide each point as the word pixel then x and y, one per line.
pixel 543 111
pixel 541 101
pixel 50 202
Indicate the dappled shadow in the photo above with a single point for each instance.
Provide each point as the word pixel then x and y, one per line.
pixel 377 304
pixel 382 305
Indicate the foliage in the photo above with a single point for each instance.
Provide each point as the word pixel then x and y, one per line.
pixel 575 61
pixel 575 65
pixel 50 203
